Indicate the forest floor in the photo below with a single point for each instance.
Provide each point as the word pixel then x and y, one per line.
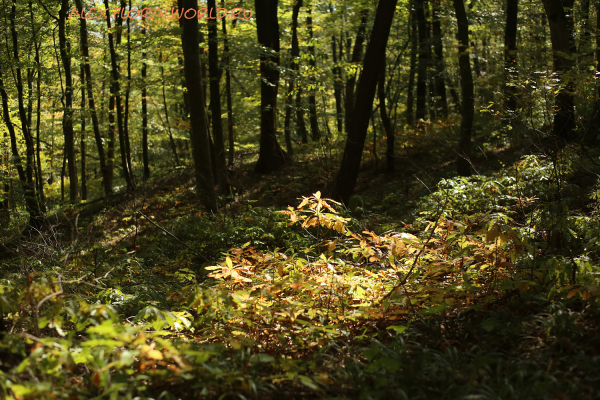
pixel 421 288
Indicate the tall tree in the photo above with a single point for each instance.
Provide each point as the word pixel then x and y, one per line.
pixel 440 69
pixel 414 46
pixel 337 85
pixel 312 102
pixel 510 58
pixel 300 124
pixel 199 134
pixel 215 100
pixel 355 59
pixel 68 112
pixel 365 93
pixel 271 155
pixel 116 85
pixel 463 164
pixel 561 37
pixel 385 120
pixel 227 62
pixel 144 72
pixel 82 144
pixel 423 60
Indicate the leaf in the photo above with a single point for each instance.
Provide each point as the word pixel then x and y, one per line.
pixel 398 328
pixel 573 293
pixel 229 262
pixel 154 354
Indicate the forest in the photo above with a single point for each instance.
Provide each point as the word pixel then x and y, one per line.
pixel 266 199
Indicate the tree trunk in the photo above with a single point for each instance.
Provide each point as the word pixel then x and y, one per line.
pixel 145 112
pixel 116 77
pixel 300 124
pixel 215 100
pixel 312 102
pixel 438 47
pixel 414 45
pixel 365 93
pixel 355 59
pixel 68 112
pixel 271 155
pixel 561 37
pixel 385 120
pixel 83 35
pixel 199 133
pixel 164 96
pixel 510 58
pixel 30 201
pixel 39 180
pixel 422 70
pixel 595 122
pixel 82 143
pixel 463 164
pixel 337 86
pixel 127 93
pixel 230 122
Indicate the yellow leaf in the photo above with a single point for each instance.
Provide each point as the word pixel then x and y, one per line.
pixel 228 262
pixel 154 354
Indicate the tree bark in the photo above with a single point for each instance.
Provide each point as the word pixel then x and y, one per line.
pixel 30 201
pixel 300 123
pixel 164 96
pixel 337 86
pixel 365 93
pixel 116 77
pixel 561 37
pixel 385 120
pixel 510 58
pixel 438 47
pixel 312 102
pixel 423 61
pixel 145 112
pixel 199 133
pixel 463 164
pixel 68 112
pixel 355 59
pixel 39 180
pixel 82 142
pixel 414 45
pixel 230 122
pixel 127 93
pixel 271 155
pixel 215 100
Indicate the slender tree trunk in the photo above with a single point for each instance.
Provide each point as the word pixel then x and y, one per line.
pixel 288 119
pixel 385 120
pixel 30 201
pixel 127 93
pixel 164 96
pixel 199 133
pixel 271 155
pixel 510 58
pixel 595 122
pixel 39 180
pixel 215 101
pixel 438 47
pixel 561 37
pixel 414 45
pixel 230 121
pixel 312 102
pixel 365 93
pixel 28 184
pixel 145 112
pixel 466 83
pixel 68 113
pixel 355 59
pixel 82 143
pixel 117 94
pixel 300 124
pixel 337 86
pixel 422 70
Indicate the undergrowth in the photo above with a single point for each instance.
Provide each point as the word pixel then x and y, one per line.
pixel 489 292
